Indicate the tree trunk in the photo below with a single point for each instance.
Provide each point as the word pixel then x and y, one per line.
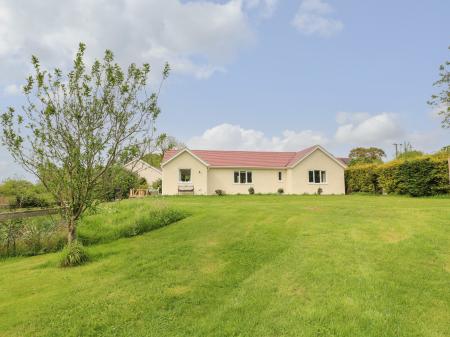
pixel 72 230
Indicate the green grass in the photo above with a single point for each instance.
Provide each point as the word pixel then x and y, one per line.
pixel 113 221
pixel 249 266
pixel 110 221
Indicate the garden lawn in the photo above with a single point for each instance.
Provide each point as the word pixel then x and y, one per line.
pixel 249 266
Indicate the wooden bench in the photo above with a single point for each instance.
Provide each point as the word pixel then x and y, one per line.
pixel 185 190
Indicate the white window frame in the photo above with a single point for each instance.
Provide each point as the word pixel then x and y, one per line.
pixel 320 177
pixel 246 177
pixel 179 176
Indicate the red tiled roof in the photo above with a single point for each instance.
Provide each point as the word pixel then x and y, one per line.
pixel 252 159
pixel 344 160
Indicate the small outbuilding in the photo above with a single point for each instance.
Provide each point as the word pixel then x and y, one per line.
pixel 144 170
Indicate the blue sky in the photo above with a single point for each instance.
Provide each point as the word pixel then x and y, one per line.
pixel 256 74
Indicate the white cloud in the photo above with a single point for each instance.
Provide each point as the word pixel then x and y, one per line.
pixel 198 38
pixel 266 7
pixel 233 137
pixel 429 141
pixel 365 129
pixel 343 117
pixel 11 90
pixel 313 18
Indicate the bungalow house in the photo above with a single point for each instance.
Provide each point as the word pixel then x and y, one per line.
pixel 203 172
pixel 144 170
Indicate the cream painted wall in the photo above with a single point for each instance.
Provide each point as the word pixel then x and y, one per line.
pixel 171 174
pixel 263 181
pixel 143 170
pixel 295 181
pixel 299 181
pixel 288 189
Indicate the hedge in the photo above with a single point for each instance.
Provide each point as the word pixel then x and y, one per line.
pixel 423 176
pixel 362 178
pixel 24 194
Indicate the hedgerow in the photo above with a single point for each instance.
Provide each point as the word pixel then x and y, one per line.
pixel 362 178
pixel 425 176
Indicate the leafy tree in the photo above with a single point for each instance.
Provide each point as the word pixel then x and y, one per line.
pixel 74 127
pixel 446 149
pixel 117 182
pixel 166 143
pixel 153 159
pixel 441 100
pixel 362 155
pixel 163 144
pixel 23 194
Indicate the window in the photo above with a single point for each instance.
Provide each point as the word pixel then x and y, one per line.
pixel 280 176
pixel 311 176
pixel 243 177
pixel 323 176
pixel 185 175
pixel 317 177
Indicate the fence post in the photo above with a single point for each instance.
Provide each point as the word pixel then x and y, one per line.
pixel 448 161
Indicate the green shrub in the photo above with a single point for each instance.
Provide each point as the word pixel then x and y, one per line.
pixel 73 255
pixel 251 190
pixel 362 178
pixel 389 178
pixel 280 191
pixel 30 199
pixel 220 192
pixel 424 176
pixel 24 194
pixel 319 191
pixel 418 177
pixel 117 182
pixel 157 185
pixel 414 154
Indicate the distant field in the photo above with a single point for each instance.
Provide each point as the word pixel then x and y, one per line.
pixel 249 266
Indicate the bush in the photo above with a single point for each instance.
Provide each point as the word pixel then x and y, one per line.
pixel 280 191
pixel 220 192
pixel 319 191
pixel 73 255
pixel 417 177
pixel 117 182
pixel 30 199
pixel 414 154
pixel 251 190
pixel 24 194
pixel 422 176
pixel 362 178
pixel 157 185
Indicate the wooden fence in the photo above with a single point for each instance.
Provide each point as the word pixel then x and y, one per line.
pixel 28 214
